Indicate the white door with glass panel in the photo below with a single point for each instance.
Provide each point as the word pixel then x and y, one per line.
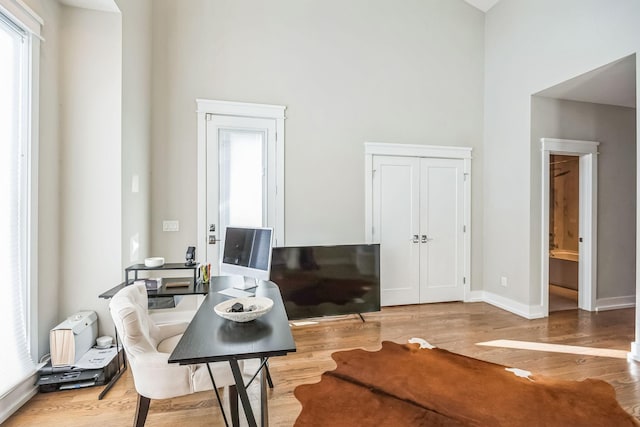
pixel 239 150
pixel 418 218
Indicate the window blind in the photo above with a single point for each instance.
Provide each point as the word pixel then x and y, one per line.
pixel 16 363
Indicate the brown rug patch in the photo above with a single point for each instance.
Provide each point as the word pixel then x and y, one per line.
pixel 403 385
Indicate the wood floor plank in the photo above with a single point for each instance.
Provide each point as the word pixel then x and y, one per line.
pixel 456 327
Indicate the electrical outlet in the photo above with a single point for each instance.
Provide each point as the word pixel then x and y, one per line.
pixel 172 225
pixel 503 281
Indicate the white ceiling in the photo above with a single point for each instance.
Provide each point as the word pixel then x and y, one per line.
pixel 483 5
pixel 110 6
pixel 611 84
pixel 103 5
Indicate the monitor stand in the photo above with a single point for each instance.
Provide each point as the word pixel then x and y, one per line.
pixel 246 283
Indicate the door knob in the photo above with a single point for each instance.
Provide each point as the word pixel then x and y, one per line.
pixel 212 239
pixel 426 239
pixel 415 238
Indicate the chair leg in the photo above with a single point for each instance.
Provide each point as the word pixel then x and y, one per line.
pixel 141 411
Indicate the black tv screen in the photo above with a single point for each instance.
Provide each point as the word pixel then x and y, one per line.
pixel 320 281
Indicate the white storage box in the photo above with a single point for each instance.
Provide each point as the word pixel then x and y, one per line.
pixel 71 339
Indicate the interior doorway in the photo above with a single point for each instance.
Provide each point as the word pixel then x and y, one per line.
pixel 564 232
pixel 566 240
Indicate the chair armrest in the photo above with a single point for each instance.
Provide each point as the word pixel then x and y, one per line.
pixel 167 330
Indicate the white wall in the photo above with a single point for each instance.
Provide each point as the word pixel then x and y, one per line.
pixel 615 129
pixel 57 197
pixel 136 129
pixel 530 46
pixel 348 72
pixel 90 160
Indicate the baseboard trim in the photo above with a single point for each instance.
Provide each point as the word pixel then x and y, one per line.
pixel 615 303
pixel 535 311
pixel 515 307
pixel 13 400
pixel 475 296
pixel 634 354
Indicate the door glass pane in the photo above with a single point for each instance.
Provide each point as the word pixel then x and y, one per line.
pixel 242 177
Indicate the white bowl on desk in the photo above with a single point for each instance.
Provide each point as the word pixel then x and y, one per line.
pixel 157 261
pixel 261 306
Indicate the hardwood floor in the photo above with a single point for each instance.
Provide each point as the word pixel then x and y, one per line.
pixel 456 327
pixel 561 299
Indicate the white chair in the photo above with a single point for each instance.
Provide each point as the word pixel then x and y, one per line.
pixel 148 347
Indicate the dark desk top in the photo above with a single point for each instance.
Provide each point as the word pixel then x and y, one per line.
pixel 210 338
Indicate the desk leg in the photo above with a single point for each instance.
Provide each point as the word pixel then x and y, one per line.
pixel 111 383
pixel 120 369
pixel 215 388
pixel 269 380
pixel 265 377
pixel 233 403
pixel 242 392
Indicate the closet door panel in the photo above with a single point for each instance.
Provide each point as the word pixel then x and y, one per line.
pixel 396 207
pixel 441 230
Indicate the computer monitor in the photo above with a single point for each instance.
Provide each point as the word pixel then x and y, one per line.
pixel 247 253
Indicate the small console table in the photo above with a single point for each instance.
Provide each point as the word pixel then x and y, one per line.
pixel 195 287
pixel 170 266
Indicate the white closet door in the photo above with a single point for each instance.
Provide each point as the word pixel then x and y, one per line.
pixel 396 205
pixel 441 230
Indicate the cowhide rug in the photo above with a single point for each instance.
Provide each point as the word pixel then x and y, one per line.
pixel 406 385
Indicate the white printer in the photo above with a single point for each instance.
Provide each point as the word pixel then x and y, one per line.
pixel 71 339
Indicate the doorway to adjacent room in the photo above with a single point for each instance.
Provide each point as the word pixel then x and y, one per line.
pixel 569 206
pixel 564 233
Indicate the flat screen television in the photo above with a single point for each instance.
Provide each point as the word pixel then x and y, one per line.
pixel 318 281
pixel 247 253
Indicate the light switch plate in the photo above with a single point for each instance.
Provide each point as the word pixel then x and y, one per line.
pixel 170 225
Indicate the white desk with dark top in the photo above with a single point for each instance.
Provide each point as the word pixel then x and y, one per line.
pixel 210 338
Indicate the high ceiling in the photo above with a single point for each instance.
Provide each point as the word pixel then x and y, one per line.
pixel 611 84
pixel 483 5
pixel 104 5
